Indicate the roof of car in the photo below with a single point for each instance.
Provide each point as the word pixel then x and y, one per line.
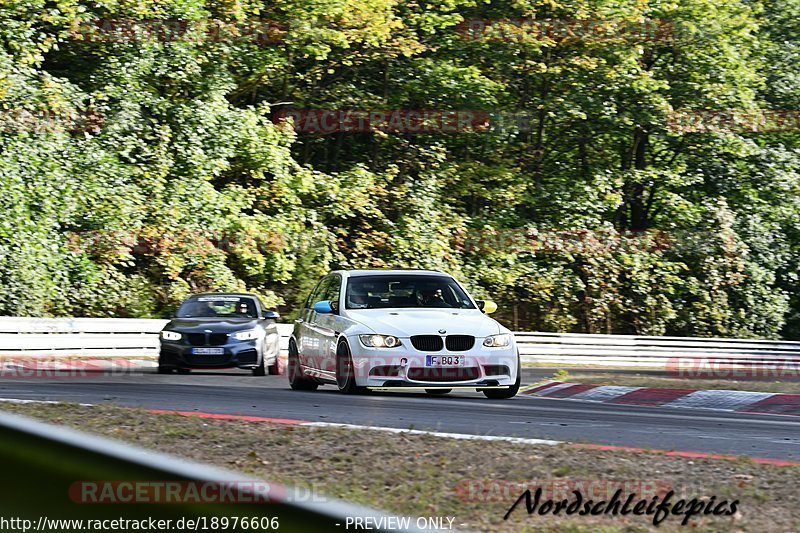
pixel 241 294
pixel 390 272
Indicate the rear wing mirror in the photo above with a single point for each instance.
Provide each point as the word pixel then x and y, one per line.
pixel 486 306
pixel 324 307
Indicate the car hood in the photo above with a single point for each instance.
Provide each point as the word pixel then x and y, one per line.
pixel 216 325
pixel 407 322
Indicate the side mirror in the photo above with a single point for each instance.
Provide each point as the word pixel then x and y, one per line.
pixel 167 315
pixel 323 307
pixel 270 315
pixel 486 306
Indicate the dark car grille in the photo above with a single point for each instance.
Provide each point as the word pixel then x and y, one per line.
pixel 203 339
pixel 208 360
pixel 197 339
pixel 460 343
pixel 443 374
pixel 427 343
pixel 218 339
pixel 434 343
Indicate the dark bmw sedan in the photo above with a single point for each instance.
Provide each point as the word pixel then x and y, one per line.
pixel 221 330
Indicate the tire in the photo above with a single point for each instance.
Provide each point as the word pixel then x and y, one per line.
pixel 505 394
pixel 296 379
pixel 183 371
pixel 260 370
pixel 273 369
pixel 345 371
pixel 164 369
pixel 438 392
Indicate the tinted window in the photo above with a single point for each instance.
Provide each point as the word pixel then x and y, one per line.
pixel 218 306
pixel 333 288
pixel 404 290
pixel 316 294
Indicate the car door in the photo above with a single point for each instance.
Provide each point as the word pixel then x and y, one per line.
pixel 329 325
pixel 305 333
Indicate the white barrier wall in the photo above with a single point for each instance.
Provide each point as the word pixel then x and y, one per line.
pixel 87 337
pixel 126 337
pixel 94 337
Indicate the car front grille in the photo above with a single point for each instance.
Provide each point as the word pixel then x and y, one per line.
pixel 208 360
pixel 218 339
pixel 443 374
pixel 204 339
pixel 434 343
pixel 197 339
pixel 427 343
pixel 460 343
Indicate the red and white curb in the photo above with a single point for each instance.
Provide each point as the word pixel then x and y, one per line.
pixel 720 400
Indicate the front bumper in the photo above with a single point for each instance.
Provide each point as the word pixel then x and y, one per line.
pixel 405 367
pixel 236 354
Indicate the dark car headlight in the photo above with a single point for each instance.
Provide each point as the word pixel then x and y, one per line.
pixel 171 335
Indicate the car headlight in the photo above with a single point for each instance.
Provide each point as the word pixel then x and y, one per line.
pixel 171 335
pixel 495 341
pixel 247 335
pixel 380 341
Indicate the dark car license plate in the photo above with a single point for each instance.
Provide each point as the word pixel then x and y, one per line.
pixel 445 360
pixel 208 351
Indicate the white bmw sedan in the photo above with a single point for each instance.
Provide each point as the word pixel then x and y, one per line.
pixel 400 329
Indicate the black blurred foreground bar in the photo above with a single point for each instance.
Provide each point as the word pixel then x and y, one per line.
pixel 44 468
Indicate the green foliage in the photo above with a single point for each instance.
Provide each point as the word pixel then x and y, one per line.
pixel 561 375
pixel 157 170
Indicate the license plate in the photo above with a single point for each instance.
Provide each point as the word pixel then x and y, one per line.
pixel 445 360
pixel 208 351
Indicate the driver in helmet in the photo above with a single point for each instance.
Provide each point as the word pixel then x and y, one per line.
pixel 431 297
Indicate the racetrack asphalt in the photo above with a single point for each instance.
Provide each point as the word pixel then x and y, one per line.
pixel 239 393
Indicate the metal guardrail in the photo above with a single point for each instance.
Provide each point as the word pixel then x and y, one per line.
pixel 43 463
pixel 115 337
pixel 644 351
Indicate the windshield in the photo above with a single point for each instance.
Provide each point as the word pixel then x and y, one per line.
pixel 385 291
pixel 218 306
